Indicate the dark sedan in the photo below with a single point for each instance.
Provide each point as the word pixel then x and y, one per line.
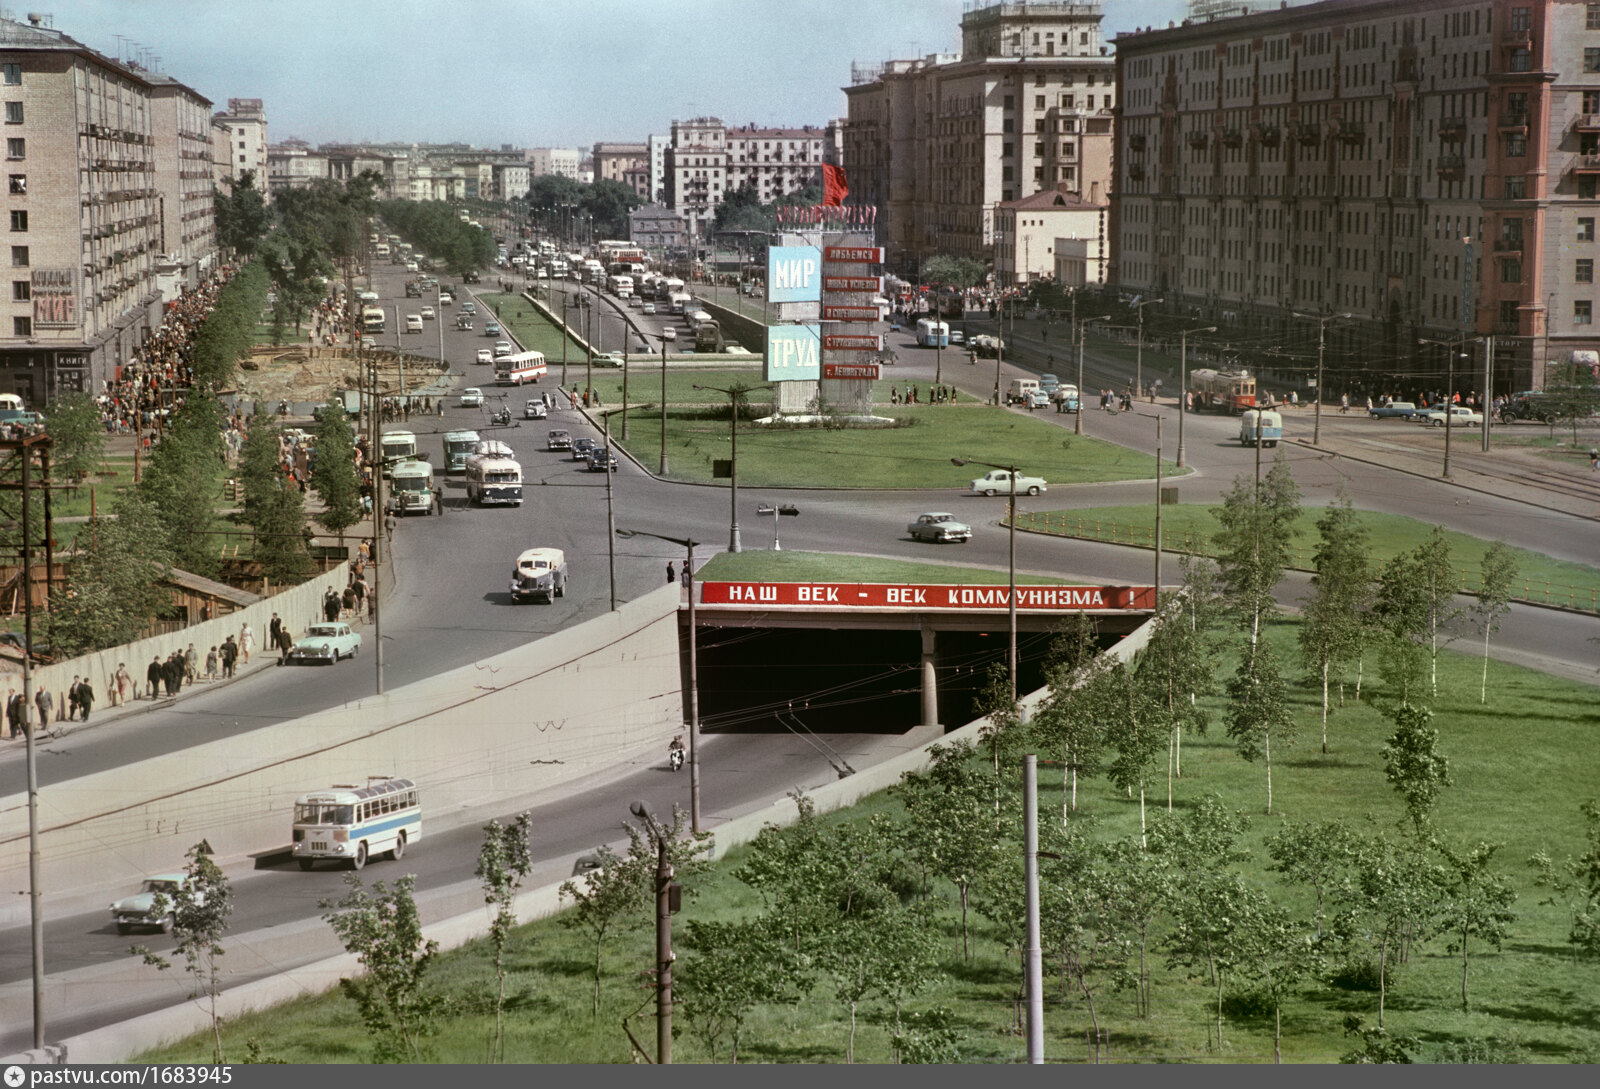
pixel 601 459
pixel 581 448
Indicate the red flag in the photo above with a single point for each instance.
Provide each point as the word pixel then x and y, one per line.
pixel 834 186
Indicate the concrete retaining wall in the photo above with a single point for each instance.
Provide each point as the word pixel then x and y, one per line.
pixel 736 328
pixel 298 607
pixel 520 722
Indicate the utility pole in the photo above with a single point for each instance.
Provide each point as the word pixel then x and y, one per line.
pixel 662 470
pixel 1030 863
pixel 1322 342
pixel 1486 399
pixel 1183 383
pixel 1077 423
pixel 35 880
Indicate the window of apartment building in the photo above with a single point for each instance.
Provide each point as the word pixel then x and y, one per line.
pixel 1516 188
pixel 1521 18
pixel 19 184
pixel 1583 271
pixel 1067 101
pixel 22 326
pixel 16 148
pixel 13 113
pixel 12 74
pixel 1008 103
pixel 1582 312
pixel 1510 271
pixel 19 256
pixel 1508 312
pixel 21 291
pixel 1591 60
pixel 1586 229
pixel 1516 145
pixel 1005 175
pixel 1587 188
pixel 19 220
pixel 1591 16
pixel 1008 125
pixel 1038 102
pixel 1521 61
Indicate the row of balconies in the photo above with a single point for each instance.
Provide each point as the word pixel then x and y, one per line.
pixel 106 132
pixel 1306 133
pixel 136 166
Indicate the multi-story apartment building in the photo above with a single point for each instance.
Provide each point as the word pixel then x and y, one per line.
pixel 936 143
pixel 1427 167
pixel 293 164
pixel 627 164
pixel 1026 233
pixel 705 160
pixel 240 135
pixel 394 168
pixel 511 180
pixel 181 125
pixel 554 160
pixel 659 142
pixel 83 209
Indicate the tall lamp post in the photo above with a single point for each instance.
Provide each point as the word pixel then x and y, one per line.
pixel 663 468
pixel 1183 383
pixel 1452 351
pixel 694 669
pixel 735 396
pixel 1157 419
pixel 1322 343
pixel 1077 422
pixel 1138 360
pixel 1011 561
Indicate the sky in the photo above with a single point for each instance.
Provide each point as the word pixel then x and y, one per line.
pixel 530 73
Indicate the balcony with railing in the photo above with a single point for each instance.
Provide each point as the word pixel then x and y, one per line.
pixel 1453 130
pixel 1508 247
pixel 1587 163
pixel 1514 121
pixel 1270 135
pixel 1308 133
pixel 1136 171
pixel 1199 139
pixel 1587 122
pixel 1517 35
pixel 1232 138
pixel 1136 142
pixel 1452 167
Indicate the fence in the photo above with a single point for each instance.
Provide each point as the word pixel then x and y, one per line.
pixel 1066 524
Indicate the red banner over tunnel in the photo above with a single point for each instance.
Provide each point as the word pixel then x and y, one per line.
pixel 882 595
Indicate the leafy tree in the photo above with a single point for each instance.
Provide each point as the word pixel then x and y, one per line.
pixel 1003 731
pixel 1437 585
pixel 282 535
pixel 1400 618
pixel 777 865
pixel 259 466
pixel 504 861
pixel 1391 902
pixel 334 474
pixel 1175 666
pixel 1257 712
pixel 1377 1044
pixel 949 828
pixel 1080 922
pixel 741 209
pixel 1139 893
pixel 182 481
pixel 1209 934
pixel 737 967
pixel 384 931
pixel 884 950
pixel 1413 764
pixel 1319 855
pixel 953 270
pixel 229 330
pixel 1067 721
pixel 1257 527
pixel 1572 393
pixel 113 581
pixel 200 909
pixel 1332 626
pixel 242 215
pixel 1476 903
pixel 1495 575
pixel 1137 728
pixel 607 898
pixel 1577 880
pixel 1276 954
pixel 1202 611
pixel 77 435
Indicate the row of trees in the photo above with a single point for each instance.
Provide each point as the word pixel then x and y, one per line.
pixel 435 229
pixel 559 198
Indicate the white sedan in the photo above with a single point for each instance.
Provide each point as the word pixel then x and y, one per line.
pixel 1459 415
pixel 471 397
pixel 485 355
pixel 427 313
pixel 326 643
pixel 669 333
pixel 998 482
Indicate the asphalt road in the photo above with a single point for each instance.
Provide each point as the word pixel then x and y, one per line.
pixel 441 615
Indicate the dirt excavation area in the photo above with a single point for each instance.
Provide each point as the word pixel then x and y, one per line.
pixel 295 375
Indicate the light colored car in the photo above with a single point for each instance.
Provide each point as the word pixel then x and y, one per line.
pixel 446 299
pixel 1037 398
pixel 634 300
pixel 485 355
pixel 1459 415
pixel 471 397
pixel 540 574
pixel 608 359
pixel 939 526
pixel 558 439
pixel 649 308
pixel 427 313
pixel 140 909
pixel 998 482
pixel 469 307
pixel 491 329
pixel 368 344
pixel 326 642
pixel 502 347
pixel 535 409
pixel 669 333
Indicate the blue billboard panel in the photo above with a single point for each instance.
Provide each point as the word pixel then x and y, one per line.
pixel 794 273
pixel 794 353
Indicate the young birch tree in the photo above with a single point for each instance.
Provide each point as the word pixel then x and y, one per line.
pixel 1257 528
pixel 1257 712
pixel 1495 575
pixel 503 861
pixel 200 909
pixel 1332 627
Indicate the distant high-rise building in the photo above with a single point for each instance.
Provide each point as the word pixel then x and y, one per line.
pixel 554 160
pixel 706 160
pixel 658 167
pixel 240 140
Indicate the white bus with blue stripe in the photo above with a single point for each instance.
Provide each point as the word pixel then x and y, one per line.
pixel 352 824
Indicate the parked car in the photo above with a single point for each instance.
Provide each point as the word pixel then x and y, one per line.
pixel 1403 410
pixel 581 447
pixel 485 355
pixel 1457 416
pixel 471 397
pixel 998 482
pixel 558 439
pixel 600 459
pixel 1065 397
pixel 540 574
pixel 326 643
pixel 608 359
pixel 491 329
pixel 534 409
pixel 142 909
pixel 1037 398
pixel 939 526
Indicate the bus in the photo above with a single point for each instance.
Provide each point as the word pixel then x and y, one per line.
pixel 519 367
pixel 397 446
pixel 494 481
pixel 1221 391
pixel 1260 427
pixel 353 823
pixel 410 488
pixel 372 320
pixel 457 448
pixel 933 333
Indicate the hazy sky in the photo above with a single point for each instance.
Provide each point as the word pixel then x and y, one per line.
pixel 524 72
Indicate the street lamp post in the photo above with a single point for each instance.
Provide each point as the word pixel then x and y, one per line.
pixel 1011 561
pixel 694 669
pixel 1138 360
pixel 1322 342
pixel 664 954
pixel 1157 419
pixel 735 395
pixel 663 467
pixel 1452 350
pixel 1183 383
pixel 1077 423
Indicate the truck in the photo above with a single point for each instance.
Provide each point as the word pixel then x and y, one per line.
pixel 372 320
pixel 708 336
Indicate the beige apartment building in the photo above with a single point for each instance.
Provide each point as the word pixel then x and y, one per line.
pixel 239 136
pixel 706 160
pixel 1027 233
pixel 181 125
pixel 1428 168
pixel 83 209
pixel 937 143
pixel 626 164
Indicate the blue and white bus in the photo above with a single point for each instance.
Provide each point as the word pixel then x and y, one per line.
pixel 933 333
pixel 458 446
pixel 352 823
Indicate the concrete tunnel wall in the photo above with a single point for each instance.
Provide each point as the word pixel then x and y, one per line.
pixel 514 724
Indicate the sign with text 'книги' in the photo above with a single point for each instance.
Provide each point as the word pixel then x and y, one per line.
pixel 794 274
pixel 794 353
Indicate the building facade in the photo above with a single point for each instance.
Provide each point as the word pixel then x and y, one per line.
pixel 1422 169
pixel 554 160
pixel 626 164
pixel 659 142
pixel 657 227
pixel 935 144
pixel 241 133
pixel 1026 232
pixel 181 126
pixel 84 211
pixel 705 160
pixel 293 164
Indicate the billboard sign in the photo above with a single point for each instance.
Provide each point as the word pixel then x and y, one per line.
pixel 864 284
pixel 794 353
pixel 851 313
pixel 794 274
pixel 853 342
pixel 870 371
pixel 853 255
pixel 55 298
pixel 875 595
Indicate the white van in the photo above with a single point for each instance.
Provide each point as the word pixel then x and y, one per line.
pixel 1260 427
pixel 1020 390
pixel 413 323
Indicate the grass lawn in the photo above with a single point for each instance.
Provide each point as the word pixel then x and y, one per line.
pixel 917 456
pixel 1520 764
pixel 765 565
pixel 1188 526
pixel 533 330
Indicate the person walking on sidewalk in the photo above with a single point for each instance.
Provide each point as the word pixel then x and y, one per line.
pixel 211 664
pixel 124 684
pixel 153 676
pixel 277 624
pixel 85 697
pixel 46 703
pixel 247 641
pixel 230 654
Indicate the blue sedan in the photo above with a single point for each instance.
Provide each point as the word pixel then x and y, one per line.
pixel 1401 409
pixel 327 643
